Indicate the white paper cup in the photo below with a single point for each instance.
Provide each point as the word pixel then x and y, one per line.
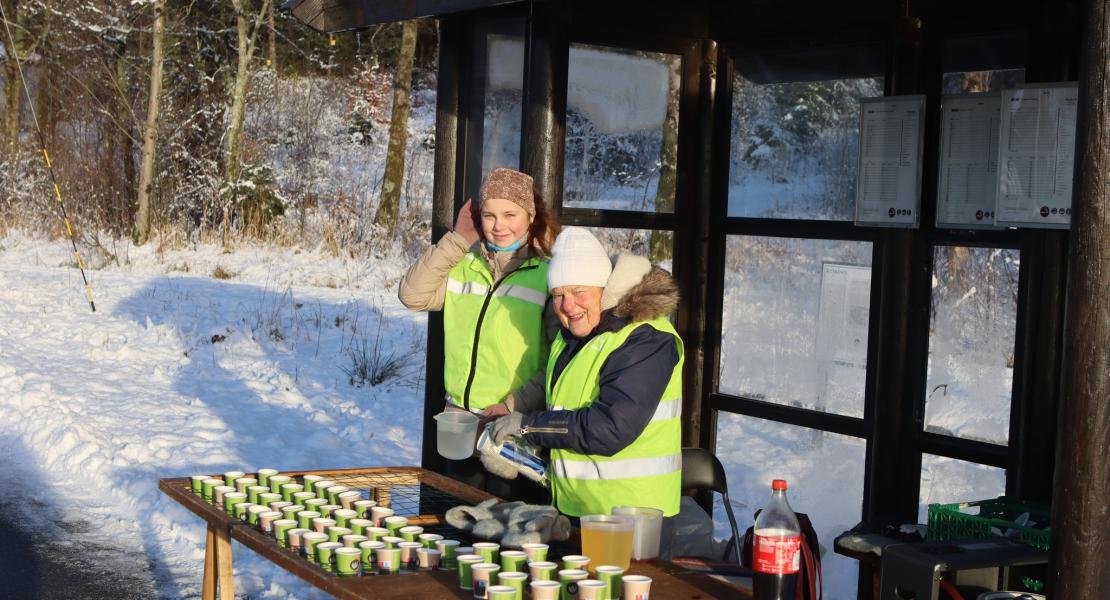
pixel 266 520
pixel 636 587
pixel 347 499
pixel 295 538
pixel 484 575
pixel 408 554
pixel 309 541
pixel 592 589
pixel 545 590
pixel 218 493
pixel 378 515
pixel 427 560
pixel 321 524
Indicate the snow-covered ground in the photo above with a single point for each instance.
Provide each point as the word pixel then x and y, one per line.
pixel 177 374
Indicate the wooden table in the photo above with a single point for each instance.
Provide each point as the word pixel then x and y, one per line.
pixel 412 491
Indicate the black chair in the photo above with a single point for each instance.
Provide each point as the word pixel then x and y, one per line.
pixel 702 471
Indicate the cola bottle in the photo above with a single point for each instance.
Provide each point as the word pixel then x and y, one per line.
pixel 776 548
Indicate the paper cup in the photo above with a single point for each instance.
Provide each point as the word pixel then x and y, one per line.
pixel 464 550
pixel 231 476
pixel 309 482
pixel 375 533
pixel 242 483
pixel 219 492
pixel 352 540
pixel 366 553
pixel 196 483
pixel 535 551
pixel 280 504
pixel 389 560
pixel 231 499
pixel 281 529
pixel 592 589
pixel 636 587
pixel 488 551
pixel 336 533
pixel 309 541
pixel 347 499
pixel 290 512
pixel 302 497
pixel 240 510
pixel 394 524
pixel 265 498
pixel 484 574
pixel 321 524
pixel 378 515
pixel 501 592
pixel 576 561
pixel 264 476
pixel 321 488
pixel 343 516
pixel 359 526
pixel 427 559
pixel 542 570
pixel 305 517
pixel 429 540
pixel 408 554
pixel 254 493
pixel 545 590
pixel 409 532
pixel 448 550
pixel 328 509
pixel 208 488
pixel 332 493
pixel 466 575
pixel 513 560
pixel 254 511
pixel 266 520
pixel 325 555
pixel 276 481
pixel 288 489
pixel 347 562
pixel 315 503
pixel 513 579
pixel 611 575
pixel 295 537
pixel 568 579
pixel 362 507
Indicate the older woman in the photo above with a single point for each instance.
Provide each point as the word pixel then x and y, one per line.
pixel 613 383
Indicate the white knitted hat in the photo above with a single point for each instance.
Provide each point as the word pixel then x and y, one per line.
pixel 577 258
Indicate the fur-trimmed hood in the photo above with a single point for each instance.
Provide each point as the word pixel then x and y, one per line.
pixel 637 291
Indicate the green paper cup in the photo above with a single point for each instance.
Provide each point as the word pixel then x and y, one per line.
pixel 501 592
pixel 394 524
pixel 315 504
pixel 264 476
pixel 240 509
pixel 309 482
pixel 637 587
pixel 352 540
pixel 409 532
pixel 254 511
pixel 366 553
pixel 266 520
pixel 513 579
pixel 347 562
pixel 295 537
pixel 321 488
pixel 288 489
pixel 208 488
pixel 281 529
pixel 542 570
pixel 429 540
pixel 348 498
pixel 305 517
pixel 196 483
pixel 448 550
pixel 427 559
pixel 545 590
pixel 535 551
pixel 388 559
pixel 576 561
pixel 611 575
pixel 325 555
pixel 328 509
pixel 290 512
pixel 392 541
pixel 513 560
pixel 488 551
pixel 336 533
pixel 321 524
pixel 276 481
pixel 310 540
pixel 332 493
pixel 343 516
pixel 265 498
pixel 408 554
pixel 378 515
pixel 359 526
pixel 242 483
pixel 302 497
pixel 484 575
pixel 375 533
pixel 568 579
pixel 254 493
pixel 466 576
pixel 219 492
pixel 231 476
pixel 592 589
pixel 231 499
pixel 362 507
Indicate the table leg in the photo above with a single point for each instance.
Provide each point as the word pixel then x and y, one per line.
pixel 224 573
pixel 208 589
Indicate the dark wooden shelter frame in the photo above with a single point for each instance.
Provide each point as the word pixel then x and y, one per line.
pixel 1044 37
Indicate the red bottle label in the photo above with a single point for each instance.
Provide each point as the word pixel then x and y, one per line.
pixel 777 555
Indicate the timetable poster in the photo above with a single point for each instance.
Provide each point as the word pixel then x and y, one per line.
pixel 1036 156
pixel 888 181
pixel 968 173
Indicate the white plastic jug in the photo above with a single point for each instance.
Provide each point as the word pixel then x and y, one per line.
pixel 646 533
pixel 456 432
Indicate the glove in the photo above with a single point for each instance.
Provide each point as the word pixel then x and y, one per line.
pixel 506 426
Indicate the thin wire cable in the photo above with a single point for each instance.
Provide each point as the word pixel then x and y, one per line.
pixel 46 155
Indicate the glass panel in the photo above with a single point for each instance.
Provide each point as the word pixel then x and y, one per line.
pixel 824 471
pixel 498 93
pixel 796 322
pixel 794 148
pixel 945 480
pixel 966 82
pixel 656 245
pixel 622 129
pixel 971 342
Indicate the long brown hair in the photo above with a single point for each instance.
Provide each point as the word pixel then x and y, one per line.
pixel 541 234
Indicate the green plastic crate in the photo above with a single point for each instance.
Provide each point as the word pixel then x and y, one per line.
pixel 951 522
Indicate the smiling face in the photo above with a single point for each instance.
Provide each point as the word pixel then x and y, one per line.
pixel 504 222
pixel 578 307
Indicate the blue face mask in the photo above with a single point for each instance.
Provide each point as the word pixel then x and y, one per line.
pixel 513 247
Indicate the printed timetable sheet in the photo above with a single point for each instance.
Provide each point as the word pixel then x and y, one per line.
pixel 888 180
pixel 968 175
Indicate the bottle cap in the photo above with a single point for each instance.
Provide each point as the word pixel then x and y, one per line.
pixel 778 484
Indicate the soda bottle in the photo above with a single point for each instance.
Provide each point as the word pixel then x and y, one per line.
pixel 776 548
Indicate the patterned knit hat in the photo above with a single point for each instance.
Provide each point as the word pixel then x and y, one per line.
pixel 507 184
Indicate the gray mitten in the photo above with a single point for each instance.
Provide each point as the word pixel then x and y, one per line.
pixel 533 523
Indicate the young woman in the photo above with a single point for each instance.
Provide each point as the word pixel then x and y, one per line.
pixel 489 277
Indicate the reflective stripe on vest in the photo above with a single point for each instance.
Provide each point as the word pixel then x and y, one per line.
pixel 493 332
pixel 648 472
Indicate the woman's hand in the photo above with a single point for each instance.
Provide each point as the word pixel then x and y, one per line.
pixel 464 223
pixel 491 413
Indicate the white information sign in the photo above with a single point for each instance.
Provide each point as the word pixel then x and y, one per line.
pixel 888 181
pixel 968 177
pixel 842 324
pixel 1036 156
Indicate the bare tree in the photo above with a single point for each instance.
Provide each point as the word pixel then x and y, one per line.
pixel 389 205
pixel 247 36
pixel 150 133
pixel 668 161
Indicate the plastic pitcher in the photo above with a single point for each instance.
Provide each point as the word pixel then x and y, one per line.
pixel 645 535
pixel 455 434
pixel 607 539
